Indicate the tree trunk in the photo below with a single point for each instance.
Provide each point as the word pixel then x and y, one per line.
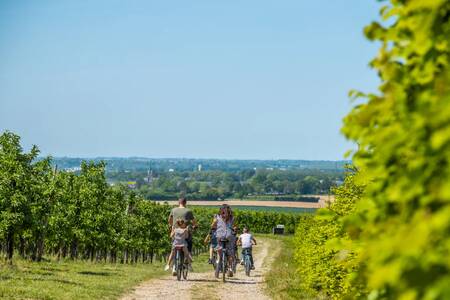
pixel 91 254
pixel 10 245
pixel 64 251
pixel 74 249
pixel 22 247
pixel 40 247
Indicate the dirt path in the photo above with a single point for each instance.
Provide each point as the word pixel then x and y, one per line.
pixel 206 286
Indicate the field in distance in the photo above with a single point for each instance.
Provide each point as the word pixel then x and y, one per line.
pixel 260 203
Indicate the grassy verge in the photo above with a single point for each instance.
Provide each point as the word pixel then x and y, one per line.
pixel 281 280
pixel 77 280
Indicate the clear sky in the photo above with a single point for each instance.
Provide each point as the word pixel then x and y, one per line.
pixel 201 79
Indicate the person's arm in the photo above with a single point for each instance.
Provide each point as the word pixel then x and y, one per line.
pixel 194 224
pixel 190 217
pixel 207 239
pixel 239 241
pixel 253 240
pixel 172 234
pixel 171 219
pixel 214 223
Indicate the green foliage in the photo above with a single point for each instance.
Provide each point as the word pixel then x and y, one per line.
pixel 393 243
pixel 256 221
pixel 17 186
pixel 404 138
pixel 81 216
pixel 322 255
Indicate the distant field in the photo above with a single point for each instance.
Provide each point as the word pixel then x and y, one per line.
pixel 258 203
pixel 268 208
pixel 322 199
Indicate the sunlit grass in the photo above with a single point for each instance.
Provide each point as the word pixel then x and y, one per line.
pixel 77 280
pixel 282 281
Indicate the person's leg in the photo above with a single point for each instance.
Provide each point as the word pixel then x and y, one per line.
pixel 251 257
pixel 189 244
pixel 169 261
pixel 230 250
pixel 187 255
pixel 172 254
pixel 211 252
pixel 219 253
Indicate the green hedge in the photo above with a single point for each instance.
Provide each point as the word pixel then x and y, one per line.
pixel 394 242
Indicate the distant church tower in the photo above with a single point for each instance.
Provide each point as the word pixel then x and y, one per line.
pixel 149 176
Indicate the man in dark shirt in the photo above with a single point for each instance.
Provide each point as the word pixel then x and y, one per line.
pixel 182 212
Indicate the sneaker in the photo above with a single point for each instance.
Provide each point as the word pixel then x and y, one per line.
pixel 253 267
pixel 210 261
pixel 230 273
pixel 190 268
pixel 166 268
pixel 242 262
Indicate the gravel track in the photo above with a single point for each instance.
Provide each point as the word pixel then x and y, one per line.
pixel 206 286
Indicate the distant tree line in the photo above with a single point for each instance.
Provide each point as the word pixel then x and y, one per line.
pixel 213 185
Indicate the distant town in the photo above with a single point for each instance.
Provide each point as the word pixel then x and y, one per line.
pixel 216 179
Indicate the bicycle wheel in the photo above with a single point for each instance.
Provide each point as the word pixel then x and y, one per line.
pixel 179 264
pixel 185 269
pixel 185 272
pixel 224 265
pixel 248 265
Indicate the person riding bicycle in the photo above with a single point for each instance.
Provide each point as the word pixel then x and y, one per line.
pixel 246 240
pixel 182 212
pixel 211 239
pixel 179 236
pixel 223 222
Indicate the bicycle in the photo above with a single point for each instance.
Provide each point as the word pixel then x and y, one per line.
pixel 247 261
pixel 181 265
pixel 222 266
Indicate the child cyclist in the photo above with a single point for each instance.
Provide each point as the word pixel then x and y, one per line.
pixel 246 240
pixel 211 239
pixel 179 236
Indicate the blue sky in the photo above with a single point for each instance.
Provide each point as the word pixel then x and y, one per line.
pixel 205 79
